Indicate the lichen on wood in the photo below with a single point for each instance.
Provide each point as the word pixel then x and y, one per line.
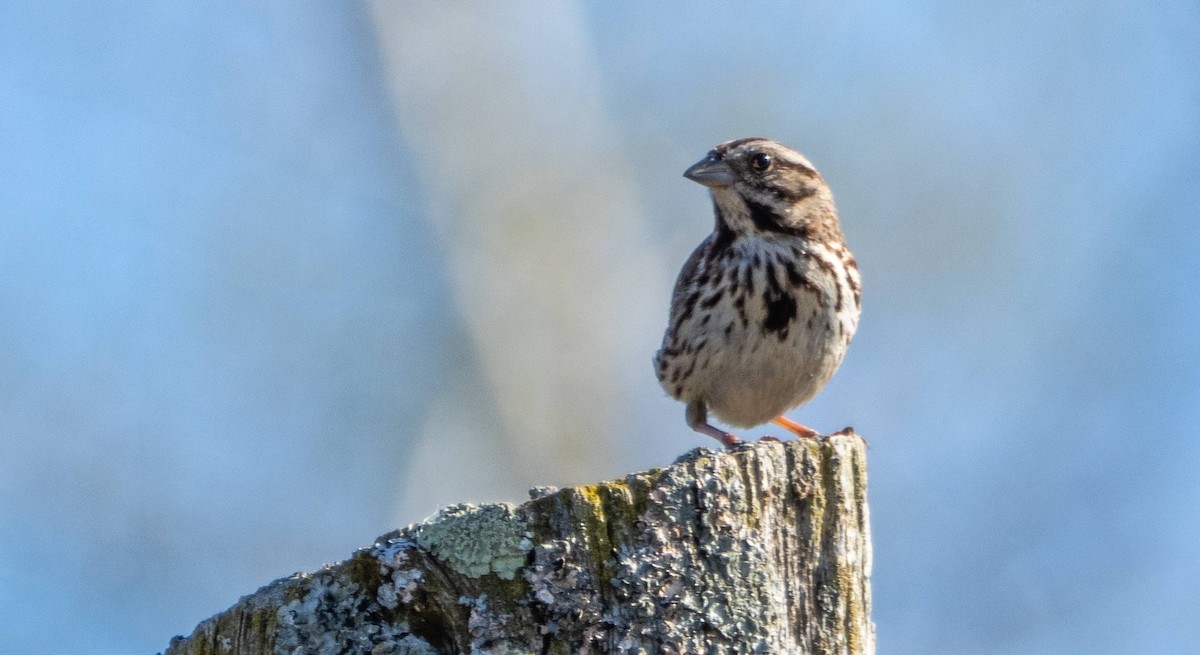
pixel 765 549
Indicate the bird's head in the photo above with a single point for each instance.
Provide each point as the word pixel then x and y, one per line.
pixel 761 186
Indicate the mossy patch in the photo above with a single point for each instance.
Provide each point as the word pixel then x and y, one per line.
pixel 475 540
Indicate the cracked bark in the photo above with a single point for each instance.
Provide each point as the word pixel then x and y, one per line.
pixel 762 550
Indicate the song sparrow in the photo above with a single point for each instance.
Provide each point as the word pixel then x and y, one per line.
pixel 765 307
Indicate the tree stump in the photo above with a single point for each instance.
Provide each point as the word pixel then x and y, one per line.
pixel 765 549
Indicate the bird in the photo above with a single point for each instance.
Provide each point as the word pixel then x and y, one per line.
pixel 764 309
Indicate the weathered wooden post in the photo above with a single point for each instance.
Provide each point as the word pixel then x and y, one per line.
pixel 765 549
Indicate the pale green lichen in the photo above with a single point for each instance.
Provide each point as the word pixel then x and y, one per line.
pixel 477 540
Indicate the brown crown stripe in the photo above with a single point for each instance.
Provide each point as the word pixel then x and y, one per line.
pixel 730 145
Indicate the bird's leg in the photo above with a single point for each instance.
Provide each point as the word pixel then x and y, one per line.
pixel 697 419
pixel 802 431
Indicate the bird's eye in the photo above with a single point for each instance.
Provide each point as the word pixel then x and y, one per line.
pixel 760 162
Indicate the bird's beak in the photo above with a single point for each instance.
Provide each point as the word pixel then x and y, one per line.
pixel 710 172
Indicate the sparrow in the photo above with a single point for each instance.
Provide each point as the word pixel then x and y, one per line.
pixel 765 307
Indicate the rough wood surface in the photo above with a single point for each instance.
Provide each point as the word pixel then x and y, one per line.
pixel 762 550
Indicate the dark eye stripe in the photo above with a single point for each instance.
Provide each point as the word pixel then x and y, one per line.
pixel 799 168
pixel 790 193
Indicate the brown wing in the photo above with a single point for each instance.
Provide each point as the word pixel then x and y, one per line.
pixel 687 278
pixel 681 302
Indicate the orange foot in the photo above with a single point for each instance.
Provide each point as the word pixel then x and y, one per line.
pixel 726 439
pixel 802 431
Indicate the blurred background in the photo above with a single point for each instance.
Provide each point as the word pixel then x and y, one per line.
pixel 277 278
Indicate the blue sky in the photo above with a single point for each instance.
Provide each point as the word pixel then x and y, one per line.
pixel 276 280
